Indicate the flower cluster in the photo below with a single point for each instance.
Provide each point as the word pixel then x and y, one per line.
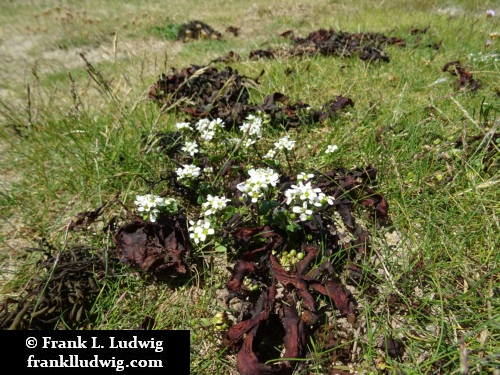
pixel 290 259
pixel 184 127
pixel 303 211
pixel 258 183
pixel 493 56
pixel 207 128
pixel 270 154
pixel 200 230
pixel 190 147
pixel 188 171
pixel 284 143
pixel 306 199
pixel 220 321
pixel 331 148
pixel 252 128
pixel 303 176
pixel 250 284
pixel 214 204
pixel 150 205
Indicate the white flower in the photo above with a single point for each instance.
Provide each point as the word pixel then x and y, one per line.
pixel 184 127
pixel 149 204
pixel 248 142
pixel 258 183
pixel 253 126
pixel 200 230
pixel 153 214
pixel 208 171
pixel 188 171
pixel 207 128
pixel 331 148
pixel 290 195
pixel 190 147
pixel 303 196
pixel 308 193
pixel 327 199
pixel 207 135
pixel 252 129
pixel 303 211
pixel 303 192
pixel 303 176
pixel 267 176
pixel 214 204
pixel 270 154
pixel 148 201
pixel 202 125
pixel 284 143
pixel 216 124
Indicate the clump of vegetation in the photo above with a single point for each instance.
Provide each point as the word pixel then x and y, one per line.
pixel 168 30
pixel 61 296
pixel 197 30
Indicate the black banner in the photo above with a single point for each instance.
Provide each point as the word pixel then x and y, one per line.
pixel 101 352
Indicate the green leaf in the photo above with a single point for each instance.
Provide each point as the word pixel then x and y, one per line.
pixel 267 206
pixel 214 159
pixel 292 227
pixel 221 249
pixel 206 322
pixel 229 212
pixel 243 210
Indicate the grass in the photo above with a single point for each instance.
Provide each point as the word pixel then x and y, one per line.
pixel 431 278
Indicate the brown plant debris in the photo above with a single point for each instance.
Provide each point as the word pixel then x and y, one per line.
pixel 233 30
pixel 393 347
pixel 86 218
pixel 465 80
pixel 206 92
pixel 162 247
pixel 430 41
pixel 367 46
pixel 286 308
pixel 230 57
pixel 416 30
pixel 197 30
pixel 277 106
pixel 64 292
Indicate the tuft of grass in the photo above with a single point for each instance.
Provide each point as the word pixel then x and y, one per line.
pixel 166 30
